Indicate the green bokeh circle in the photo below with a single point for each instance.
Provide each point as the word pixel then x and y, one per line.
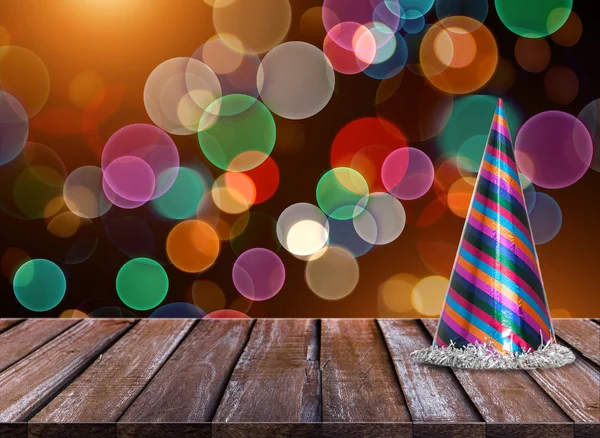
pixel 181 200
pixel 142 284
pixel 243 124
pixel 534 18
pixel 39 285
pixel 342 193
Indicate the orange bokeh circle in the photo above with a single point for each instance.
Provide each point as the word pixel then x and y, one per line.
pixel 193 246
pixel 458 55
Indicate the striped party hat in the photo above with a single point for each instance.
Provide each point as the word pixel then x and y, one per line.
pixel 496 314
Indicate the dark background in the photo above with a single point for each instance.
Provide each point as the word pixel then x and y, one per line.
pixel 124 41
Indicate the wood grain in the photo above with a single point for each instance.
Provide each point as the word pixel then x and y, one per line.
pixel 190 385
pixel 437 403
pixel 358 378
pixel 509 401
pixel 6 323
pixel 28 336
pixel 31 382
pixel 276 378
pixel 108 386
pixel 582 334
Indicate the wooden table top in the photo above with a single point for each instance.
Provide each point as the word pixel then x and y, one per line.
pixel 278 377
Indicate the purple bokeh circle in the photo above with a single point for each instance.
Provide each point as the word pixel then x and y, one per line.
pixel 148 143
pixel 407 173
pixel 553 149
pixel 14 128
pixel 128 182
pixel 258 274
pixel 545 218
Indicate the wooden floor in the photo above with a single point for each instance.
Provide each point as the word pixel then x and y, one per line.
pixel 278 377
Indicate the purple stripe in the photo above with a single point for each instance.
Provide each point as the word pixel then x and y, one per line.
pixel 501 129
pixel 498 237
pixel 499 297
pixel 460 330
pixel 495 179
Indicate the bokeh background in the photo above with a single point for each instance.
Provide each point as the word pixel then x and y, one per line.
pixel 79 69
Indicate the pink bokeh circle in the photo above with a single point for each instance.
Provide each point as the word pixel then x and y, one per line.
pixel 128 182
pixel 553 149
pixel 258 274
pixel 407 173
pixel 149 144
pixel 356 51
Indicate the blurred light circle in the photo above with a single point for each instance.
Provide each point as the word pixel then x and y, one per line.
pixel 244 125
pixel 265 178
pixel 407 173
pixel 25 77
pixel 295 80
pixel 553 149
pixel 428 295
pixel 193 246
pixel 14 127
pixel 86 87
pixel 477 9
pixel 129 181
pixel 534 18
pixel 259 25
pixel 146 143
pixel 430 107
pixel 73 313
pixel 231 61
pixel 39 285
pixel 533 55
pixel 302 229
pixel 207 295
pixel 387 215
pixel 470 155
pixel 361 13
pixel 332 273
pixel 226 314
pixel 142 283
pixel 12 259
pixel 415 8
pixel 64 224
pixel 590 116
pixel 181 200
pixel 529 192
pixel 361 52
pixel 545 218
pixel 233 192
pixel 178 92
pixel 561 84
pixel 570 32
pixel 395 292
pixel 393 60
pixel 311 25
pixel 340 191
pixel 178 310
pixel 258 274
pixel 413 24
pixel 343 234
pixel 254 229
pixel 459 196
pixel 363 145
pixel 474 55
pixel 83 193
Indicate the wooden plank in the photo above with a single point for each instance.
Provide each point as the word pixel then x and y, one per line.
pixel 31 382
pixel 108 386
pixel 359 384
pixel 582 334
pixel 276 378
pixel 6 323
pixel 511 402
pixel 72 430
pixel 437 403
pixel 28 336
pixel 190 385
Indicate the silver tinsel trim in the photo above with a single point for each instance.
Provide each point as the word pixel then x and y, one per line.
pixel 485 356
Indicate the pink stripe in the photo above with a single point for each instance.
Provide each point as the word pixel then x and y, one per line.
pixel 498 296
pixel 502 156
pixel 440 342
pixel 497 325
pixel 490 203
pixel 460 330
pixel 501 129
pixel 495 179
pixel 504 270
pixel 498 237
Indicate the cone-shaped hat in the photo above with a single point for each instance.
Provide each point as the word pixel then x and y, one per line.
pixel 495 314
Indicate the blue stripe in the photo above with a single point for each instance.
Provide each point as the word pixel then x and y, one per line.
pixel 502 165
pixel 446 333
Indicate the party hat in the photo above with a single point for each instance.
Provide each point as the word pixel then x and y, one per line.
pixel 496 314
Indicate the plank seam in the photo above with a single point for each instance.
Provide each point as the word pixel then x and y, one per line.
pixel 79 373
pixel 578 354
pixel 40 346
pixel 178 344
pixel 250 330
pixel 456 379
pixel 391 363
pixel 319 370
